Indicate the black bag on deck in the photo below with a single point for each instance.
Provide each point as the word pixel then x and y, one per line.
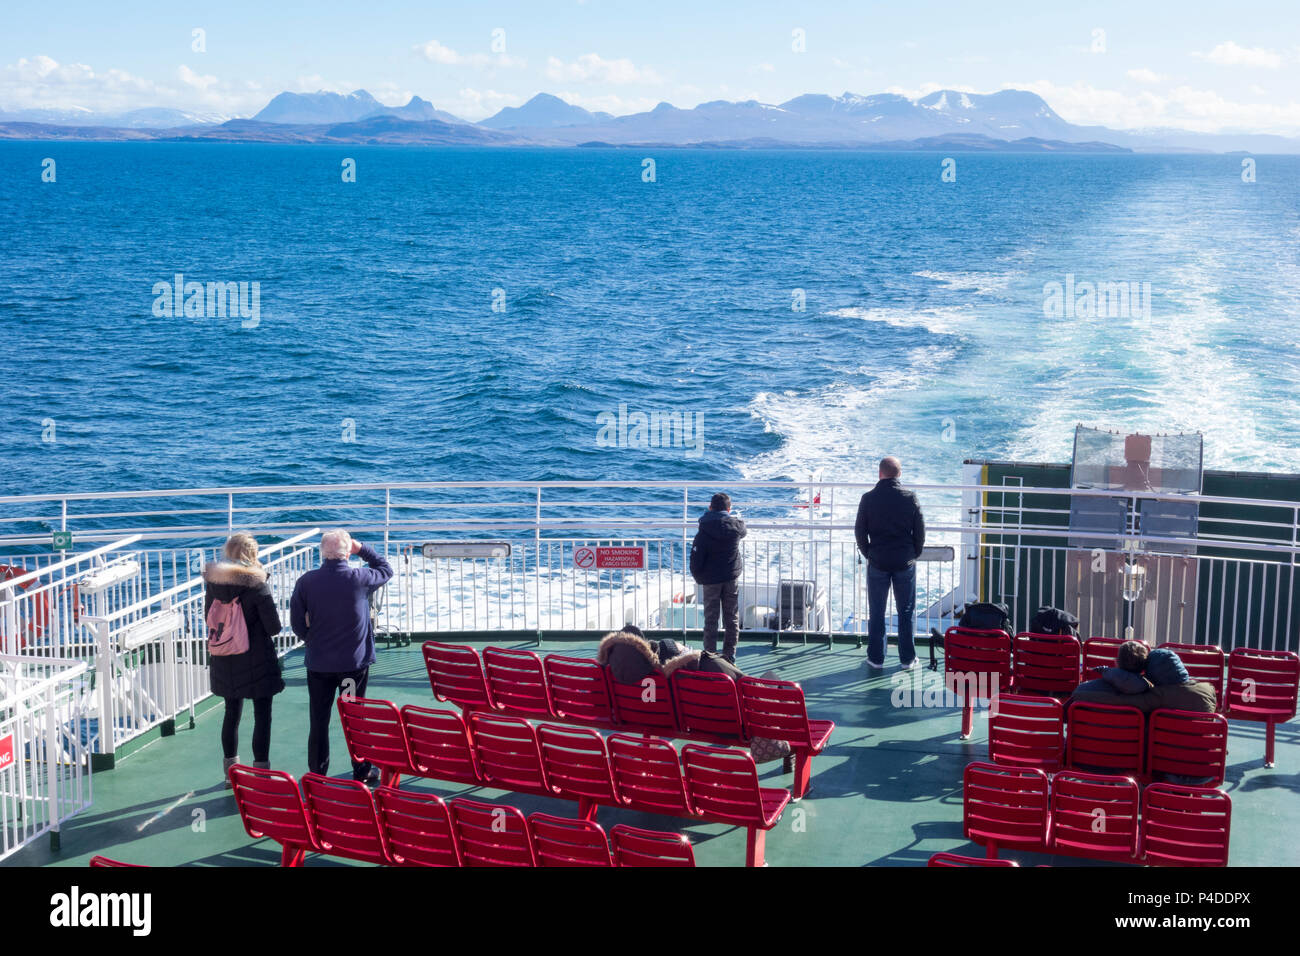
pixel 1052 620
pixel 979 616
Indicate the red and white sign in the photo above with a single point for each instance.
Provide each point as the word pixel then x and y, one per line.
pixel 6 751
pixel 625 558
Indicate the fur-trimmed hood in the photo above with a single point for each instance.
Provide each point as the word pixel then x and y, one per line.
pixel 690 660
pixel 627 641
pixel 237 575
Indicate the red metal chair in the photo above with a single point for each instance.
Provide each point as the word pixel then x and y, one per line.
pixel 577 767
pixel 957 860
pixel 1100 652
pixel 1204 662
pixel 722 786
pixel 561 842
pixel 516 681
pixel 1045 663
pixel 456 674
pixel 708 705
pixel 491 834
pixel 342 812
pixel 1105 739
pixel 646 706
pixel 647 775
pixel 103 862
pixel 1185 826
pixel 507 754
pixel 1095 816
pixel 417 828
pixel 775 709
pixel 579 690
pixel 374 732
pixel 976 664
pixel 271 806
pixel 1027 732
pixel 1005 806
pixel 440 745
pixel 636 847
pixel 1187 744
pixel 1262 687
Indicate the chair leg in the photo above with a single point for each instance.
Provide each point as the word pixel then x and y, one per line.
pixel 587 809
pixel 991 850
pixel 1268 746
pixel 967 717
pixel 802 772
pixel 755 841
pixel 389 777
pixel 292 856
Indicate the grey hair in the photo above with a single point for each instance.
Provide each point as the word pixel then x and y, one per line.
pixel 335 544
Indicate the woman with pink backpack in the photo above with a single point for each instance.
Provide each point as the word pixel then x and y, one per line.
pixel 242 621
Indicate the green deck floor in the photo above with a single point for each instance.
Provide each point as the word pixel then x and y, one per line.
pixel 887 792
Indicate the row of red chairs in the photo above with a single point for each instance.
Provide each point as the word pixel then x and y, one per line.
pixel 1259 685
pixel 693 705
pixel 400 828
pixel 714 784
pixel 1097 816
pixel 1032 732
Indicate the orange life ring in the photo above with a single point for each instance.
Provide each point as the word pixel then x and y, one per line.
pixel 40 614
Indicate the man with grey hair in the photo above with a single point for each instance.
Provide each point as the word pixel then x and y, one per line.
pixel 330 613
pixel 891 535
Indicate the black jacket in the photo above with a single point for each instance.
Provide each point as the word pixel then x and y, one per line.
pixel 715 553
pixel 256 672
pixel 890 529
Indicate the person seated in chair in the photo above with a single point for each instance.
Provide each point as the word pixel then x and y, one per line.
pixel 1166 683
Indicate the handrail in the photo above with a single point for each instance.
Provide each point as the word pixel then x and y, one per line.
pixel 67 562
pixel 31 686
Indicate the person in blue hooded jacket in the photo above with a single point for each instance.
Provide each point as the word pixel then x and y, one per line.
pixel 330 613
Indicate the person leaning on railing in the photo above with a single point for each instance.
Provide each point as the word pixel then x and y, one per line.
pixel 330 613
pixel 254 674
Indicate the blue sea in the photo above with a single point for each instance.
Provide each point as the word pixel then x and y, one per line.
pixel 470 314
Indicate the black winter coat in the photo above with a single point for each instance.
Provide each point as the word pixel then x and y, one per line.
pixel 715 553
pixel 890 529
pixel 256 672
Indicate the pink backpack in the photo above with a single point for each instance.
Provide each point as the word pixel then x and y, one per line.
pixel 227 630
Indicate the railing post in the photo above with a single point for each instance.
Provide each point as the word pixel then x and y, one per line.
pixel 52 764
pixel 170 695
pixel 104 674
pixel 686 551
pixel 388 510
pixel 537 561
pixel 230 512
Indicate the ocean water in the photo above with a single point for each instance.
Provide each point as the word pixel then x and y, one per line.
pixel 379 355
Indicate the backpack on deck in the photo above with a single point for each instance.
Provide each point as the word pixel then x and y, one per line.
pixel 978 616
pixel 227 629
pixel 1052 620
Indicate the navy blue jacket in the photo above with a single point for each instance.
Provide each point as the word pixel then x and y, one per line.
pixel 330 613
pixel 890 530
pixel 715 553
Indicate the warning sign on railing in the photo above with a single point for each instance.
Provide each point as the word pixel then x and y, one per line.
pixel 6 751
pixel 609 557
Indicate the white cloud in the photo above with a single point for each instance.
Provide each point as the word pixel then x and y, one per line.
pixel 1146 76
pixel 1230 54
pixel 190 78
pixel 435 52
pixel 475 105
pixel 593 68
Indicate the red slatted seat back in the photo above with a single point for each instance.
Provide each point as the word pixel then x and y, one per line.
pixel 507 753
pixel 1262 684
pixel 722 785
pixel 1045 663
pixel 516 681
pixel 374 732
pixel 96 862
pixel 1185 826
pixel 647 775
pixel 1095 816
pixel 969 652
pixel 1101 738
pixel 343 815
pixel 1005 806
pixel 558 841
pixel 1100 652
pixel 1204 662
pixel 579 690
pixel 636 847
pixel 1027 732
pixel 775 709
pixel 707 703
pixel 417 827
pixel 957 860
pixel 576 763
pixel 440 744
pixel 647 704
pixel 271 806
pixel 456 674
pixel 491 834
pixel 1187 744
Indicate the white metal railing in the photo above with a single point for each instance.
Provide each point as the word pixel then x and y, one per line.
pixel 44 765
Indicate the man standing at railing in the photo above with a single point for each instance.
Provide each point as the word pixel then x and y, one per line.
pixel 716 565
pixel 891 535
pixel 330 613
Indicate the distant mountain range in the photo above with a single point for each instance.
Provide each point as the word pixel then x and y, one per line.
pixel 945 119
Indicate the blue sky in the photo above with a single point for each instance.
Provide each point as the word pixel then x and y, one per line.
pixel 1204 66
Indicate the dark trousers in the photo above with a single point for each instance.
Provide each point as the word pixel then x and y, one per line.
pixel 261 728
pixel 322 688
pixel 879 583
pixel 724 598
